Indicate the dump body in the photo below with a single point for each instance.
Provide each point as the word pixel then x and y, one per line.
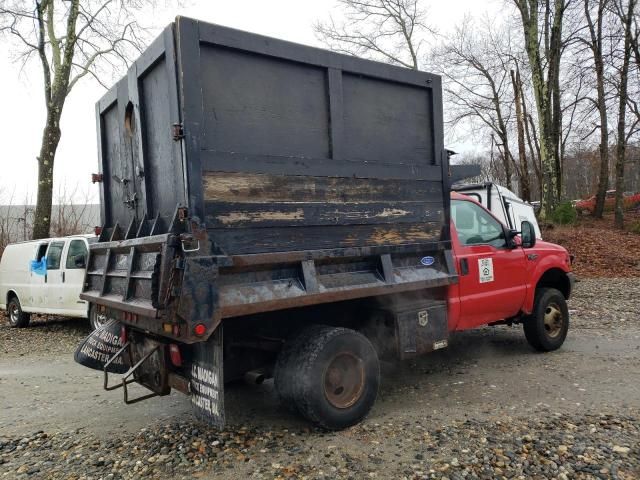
pixel 244 174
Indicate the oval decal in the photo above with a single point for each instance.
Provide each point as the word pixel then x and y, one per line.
pixel 427 261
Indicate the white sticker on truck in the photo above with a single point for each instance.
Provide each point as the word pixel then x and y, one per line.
pixel 485 269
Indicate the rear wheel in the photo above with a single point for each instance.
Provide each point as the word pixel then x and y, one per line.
pixel 546 328
pixel 329 375
pixel 96 318
pixel 17 318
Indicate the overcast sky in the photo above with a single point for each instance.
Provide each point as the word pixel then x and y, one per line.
pixel 22 109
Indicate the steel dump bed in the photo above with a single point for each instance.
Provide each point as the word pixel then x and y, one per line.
pixel 243 174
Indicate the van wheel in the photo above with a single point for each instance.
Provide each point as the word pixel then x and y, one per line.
pixel 546 328
pixel 17 318
pixel 329 375
pixel 96 319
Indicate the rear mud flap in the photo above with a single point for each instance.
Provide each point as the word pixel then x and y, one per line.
pixel 102 344
pixel 207 380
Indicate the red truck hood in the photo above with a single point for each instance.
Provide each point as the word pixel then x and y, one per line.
pixel 548 246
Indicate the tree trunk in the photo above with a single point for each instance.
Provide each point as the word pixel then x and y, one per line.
pixel 622 108
pixel 525 187
pixel 50 140
pixel 595 32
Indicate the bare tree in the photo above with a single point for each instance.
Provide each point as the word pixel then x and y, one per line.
pixel 475 65
pixel 71 39
pixel 71 212
pixel 595 42
pixel 626 19
pixel 525 184
pixel 544 46
pixel 393 31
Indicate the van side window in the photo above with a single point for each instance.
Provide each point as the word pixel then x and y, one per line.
pixel 42 249
pixel 475 226
pixel 77 254
pixel 53 255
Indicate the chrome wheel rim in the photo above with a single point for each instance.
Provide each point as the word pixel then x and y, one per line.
pixel 14 314
pixel 99 319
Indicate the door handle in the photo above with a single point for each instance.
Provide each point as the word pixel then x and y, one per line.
pixel 464 266
pixel 62 277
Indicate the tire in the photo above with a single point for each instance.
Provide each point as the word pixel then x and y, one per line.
pixel 328 375
pixel 17 318
pixel 546 328
pixel 96 319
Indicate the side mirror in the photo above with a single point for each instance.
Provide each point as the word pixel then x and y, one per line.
pixel 80 261
pixel 528 234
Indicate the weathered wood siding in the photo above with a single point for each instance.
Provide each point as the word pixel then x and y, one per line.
pixel 281 147
pixel 302 149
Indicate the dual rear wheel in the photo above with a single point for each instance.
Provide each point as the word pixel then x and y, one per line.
pixel 329 375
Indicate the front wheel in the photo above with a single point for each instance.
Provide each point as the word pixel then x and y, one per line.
pixel 329 375
pixel 547 326
pixel 17 318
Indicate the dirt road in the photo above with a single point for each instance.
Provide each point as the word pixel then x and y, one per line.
pixel 458 410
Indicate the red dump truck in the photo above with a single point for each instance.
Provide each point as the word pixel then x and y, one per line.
pixel 275 210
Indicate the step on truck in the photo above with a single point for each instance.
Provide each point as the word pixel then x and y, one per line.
pixel 275 210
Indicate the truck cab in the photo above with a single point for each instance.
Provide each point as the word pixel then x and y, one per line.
pixel 504 204
pixel 499 273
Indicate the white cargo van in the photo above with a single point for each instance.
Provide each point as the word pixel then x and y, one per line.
pixel 505 205
pixel 45 276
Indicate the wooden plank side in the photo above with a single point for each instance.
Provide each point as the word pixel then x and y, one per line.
pixel 263 188
pixel 237 241
pixel 243 215
pixel 215 161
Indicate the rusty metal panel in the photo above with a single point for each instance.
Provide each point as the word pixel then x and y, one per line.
pixel 421 328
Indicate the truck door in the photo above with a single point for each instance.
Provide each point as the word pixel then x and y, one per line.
pixel 492 282
pixel 53 287
pixel 75 262
pixel 37 279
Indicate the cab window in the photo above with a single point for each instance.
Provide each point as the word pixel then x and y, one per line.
pixel 53 255
pixel 77 254
pixel 475 226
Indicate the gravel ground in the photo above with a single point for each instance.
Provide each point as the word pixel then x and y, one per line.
pixel 585 429
pixel 45 334
pixel 557 446
pixel 607 304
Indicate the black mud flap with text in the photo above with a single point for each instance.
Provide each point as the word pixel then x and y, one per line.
pixel 207 380
pixel 102 344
